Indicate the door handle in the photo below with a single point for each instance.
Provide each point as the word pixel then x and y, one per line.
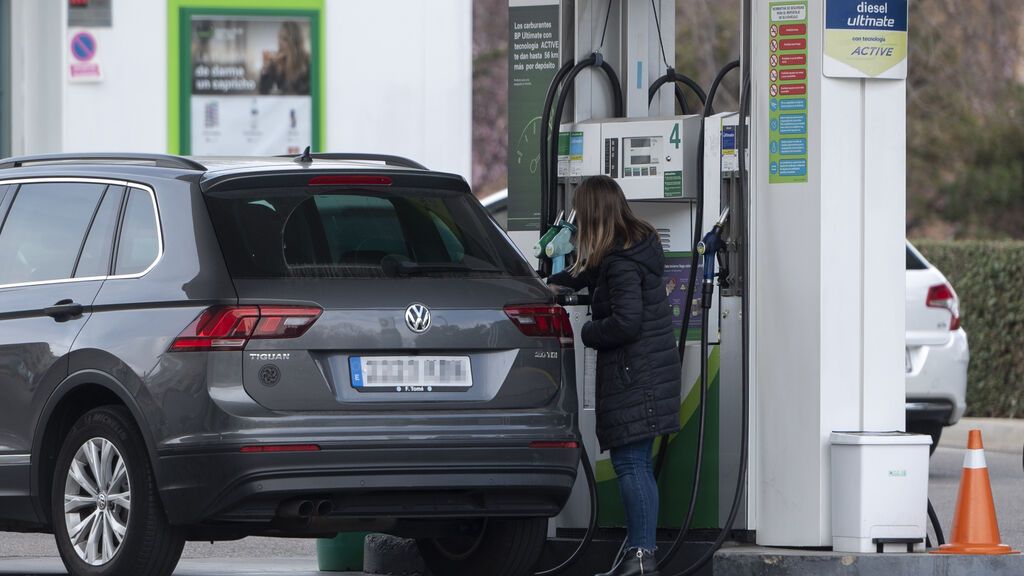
pixel 64 310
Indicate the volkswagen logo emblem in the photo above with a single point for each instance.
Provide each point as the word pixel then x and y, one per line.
pixel 417 318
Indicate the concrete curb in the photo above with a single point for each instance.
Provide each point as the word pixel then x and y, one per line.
pixel 754 561
pixel 998 434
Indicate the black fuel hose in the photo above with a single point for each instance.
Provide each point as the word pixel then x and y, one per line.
pixel 741 475
pixel 596 60
pixel 680 97
pixel 549 148
pixel 940 538
pixel 691 281
pixel 545 123
pixel 687 311
pixel 588 538
pixel 675 78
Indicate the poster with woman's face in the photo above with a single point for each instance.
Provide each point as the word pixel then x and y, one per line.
pixel 250 85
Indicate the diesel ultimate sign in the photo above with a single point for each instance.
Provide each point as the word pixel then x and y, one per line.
pixel 865 39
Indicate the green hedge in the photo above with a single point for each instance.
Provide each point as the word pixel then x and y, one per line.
pixel 989 278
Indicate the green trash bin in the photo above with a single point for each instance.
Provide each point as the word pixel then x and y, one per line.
pixel 343 553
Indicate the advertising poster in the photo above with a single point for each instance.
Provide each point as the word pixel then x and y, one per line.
pixel 866 39
pixel 534 58
pixel 677 274
pixel 249 82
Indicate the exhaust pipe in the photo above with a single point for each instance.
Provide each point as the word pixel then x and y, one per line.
pixel 324 507
pixel 297 509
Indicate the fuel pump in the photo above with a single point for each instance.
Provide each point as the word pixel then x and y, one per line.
pixel 796 123
pixel 655 157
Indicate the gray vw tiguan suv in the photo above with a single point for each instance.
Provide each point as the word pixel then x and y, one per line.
pixel 206 349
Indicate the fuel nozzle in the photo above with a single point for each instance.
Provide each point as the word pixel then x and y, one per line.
pixel 556 244
pixel 708 248
pixel 542 244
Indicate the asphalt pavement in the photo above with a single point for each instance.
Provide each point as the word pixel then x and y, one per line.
pixel 23 554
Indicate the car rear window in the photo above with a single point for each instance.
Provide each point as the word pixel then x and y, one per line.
pixel 913 262
pixel 297 233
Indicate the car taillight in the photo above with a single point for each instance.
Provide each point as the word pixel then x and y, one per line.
pixel 542 322
pixel 231 327
pixel 942 296
pixel 350 180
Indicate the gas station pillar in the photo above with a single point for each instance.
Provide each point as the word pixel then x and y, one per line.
pixel 828 165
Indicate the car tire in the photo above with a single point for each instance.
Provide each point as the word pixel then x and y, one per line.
pixel 498 547
pixel 128 532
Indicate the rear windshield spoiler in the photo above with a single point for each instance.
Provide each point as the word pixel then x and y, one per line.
pixel 216 184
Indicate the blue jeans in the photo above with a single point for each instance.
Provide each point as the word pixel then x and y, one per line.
pixel 635 469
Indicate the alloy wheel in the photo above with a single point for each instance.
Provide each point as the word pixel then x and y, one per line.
pixel 97 501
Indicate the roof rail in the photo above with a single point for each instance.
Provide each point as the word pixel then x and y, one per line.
pixel 388 159
pixel 158 160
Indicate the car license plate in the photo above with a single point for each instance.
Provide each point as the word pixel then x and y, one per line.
pixel 910 365
pixel 410 373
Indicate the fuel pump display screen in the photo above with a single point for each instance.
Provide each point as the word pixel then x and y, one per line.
pixel 641 156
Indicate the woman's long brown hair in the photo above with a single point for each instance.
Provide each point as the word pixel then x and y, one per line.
pixel 603 217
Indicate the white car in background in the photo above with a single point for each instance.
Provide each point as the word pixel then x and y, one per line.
pixel 936 354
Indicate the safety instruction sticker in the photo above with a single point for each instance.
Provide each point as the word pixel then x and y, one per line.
pixel 865 39
pixel 570 154
pixel 787 92
pixel 730 159
pixel 673 184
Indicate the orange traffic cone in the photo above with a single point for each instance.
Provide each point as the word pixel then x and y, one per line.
pixel 975 528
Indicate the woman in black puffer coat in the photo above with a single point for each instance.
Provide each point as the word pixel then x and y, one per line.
pixel 621 261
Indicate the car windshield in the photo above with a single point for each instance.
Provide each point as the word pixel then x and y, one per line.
pixel 274 233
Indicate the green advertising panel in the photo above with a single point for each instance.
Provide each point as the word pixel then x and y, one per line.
pixel 534 57
pixel 245 76
pixel 787 92
pixel 676 480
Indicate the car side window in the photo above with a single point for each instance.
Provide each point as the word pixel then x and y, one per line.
pixel 45 227
pixel 95 258
pixel 139 243
pixel 913 262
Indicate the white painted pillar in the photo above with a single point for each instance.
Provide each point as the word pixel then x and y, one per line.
pixel 828 282
pixel 36 82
